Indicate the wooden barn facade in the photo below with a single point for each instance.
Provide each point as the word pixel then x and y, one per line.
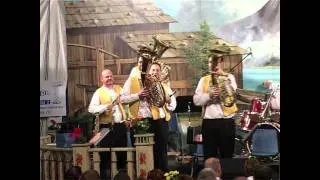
pixel 181 72
pixel 96 24
pixel 105 34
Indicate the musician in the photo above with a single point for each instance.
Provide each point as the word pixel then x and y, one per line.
pixel 275 97
pixel 135 95
pixel 135 71
pixel 274 90
pixel 218 126
pixel 111 115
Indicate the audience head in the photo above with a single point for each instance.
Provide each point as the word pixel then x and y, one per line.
pixel 90 175
pixel 214 164
pixel 74 173
pixel 207 174
pixel 121 175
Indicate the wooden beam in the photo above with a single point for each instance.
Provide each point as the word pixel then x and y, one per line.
pixel 88 63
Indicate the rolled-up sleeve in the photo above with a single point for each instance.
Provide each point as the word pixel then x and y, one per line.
pixel 95 106
pixel 173 104
pixel 200 98
pixel 233 82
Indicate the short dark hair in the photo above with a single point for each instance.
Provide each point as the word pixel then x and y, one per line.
pixel 90 175
pixel 121 175
pixel 73 173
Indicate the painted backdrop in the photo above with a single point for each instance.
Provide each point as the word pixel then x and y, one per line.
pixel 249 23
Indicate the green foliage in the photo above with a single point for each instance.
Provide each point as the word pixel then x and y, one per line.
pixel 84 120
pixel 142 127
pixel 197 53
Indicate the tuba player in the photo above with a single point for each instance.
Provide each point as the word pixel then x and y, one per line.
pixel 136 96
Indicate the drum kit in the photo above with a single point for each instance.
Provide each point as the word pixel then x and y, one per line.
pixel 262 128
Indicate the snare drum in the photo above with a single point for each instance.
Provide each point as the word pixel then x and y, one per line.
pixel 264 140
pixel 256 106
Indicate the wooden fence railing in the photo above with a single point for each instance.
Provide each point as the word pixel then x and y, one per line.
pixel 56 161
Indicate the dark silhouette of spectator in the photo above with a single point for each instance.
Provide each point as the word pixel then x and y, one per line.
pixel 90 175
pixel 121 175
pixel 155 174
pixel 74 173
pixel 207 174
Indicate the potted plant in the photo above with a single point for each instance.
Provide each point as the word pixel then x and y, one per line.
pixel 142 126
pixel 76 129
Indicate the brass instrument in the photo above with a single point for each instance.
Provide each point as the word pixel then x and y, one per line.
pixel 227 93
pixel 159 47
pixel 157 94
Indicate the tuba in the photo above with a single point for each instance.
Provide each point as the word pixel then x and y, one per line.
pixel 223 83
pixel 153 84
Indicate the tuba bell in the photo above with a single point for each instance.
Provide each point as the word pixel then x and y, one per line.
pixel 160 47
pixel 157 94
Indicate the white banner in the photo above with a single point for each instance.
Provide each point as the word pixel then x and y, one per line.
pixel 52 98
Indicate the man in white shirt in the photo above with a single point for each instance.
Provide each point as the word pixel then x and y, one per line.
pixel 111 115
pixel 135 95
pixel 274 89
pixel 218 126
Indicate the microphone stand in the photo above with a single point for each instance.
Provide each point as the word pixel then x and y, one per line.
pixel 189 123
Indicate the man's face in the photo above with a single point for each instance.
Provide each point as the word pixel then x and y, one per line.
pixel 107 78
pixel 155 70
pixel 140 63
pixel 267 84
pixel 214 65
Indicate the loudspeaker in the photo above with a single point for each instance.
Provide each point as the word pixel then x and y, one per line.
pixel 232 167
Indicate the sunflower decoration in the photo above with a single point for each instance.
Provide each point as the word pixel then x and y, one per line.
pixel 171 175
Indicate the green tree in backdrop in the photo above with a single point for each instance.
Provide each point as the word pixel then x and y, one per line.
pixel 197 53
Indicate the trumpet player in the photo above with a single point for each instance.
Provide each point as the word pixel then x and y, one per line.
pixel 110 113
pixel 218 126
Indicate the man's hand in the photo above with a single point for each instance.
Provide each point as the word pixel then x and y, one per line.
pixel 143 93
pixel 128 123
pixel 213 91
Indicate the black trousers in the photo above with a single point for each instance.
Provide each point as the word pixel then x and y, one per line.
pixel 160 128
pixel 117 137
pixel 218 136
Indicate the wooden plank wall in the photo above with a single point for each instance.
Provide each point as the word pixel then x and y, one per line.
pixel 106 38
pixel 83 74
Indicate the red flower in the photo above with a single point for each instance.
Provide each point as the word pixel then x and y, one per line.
pixel 142 158
pixel 78 159
pixel 76 133
pixel 143 173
